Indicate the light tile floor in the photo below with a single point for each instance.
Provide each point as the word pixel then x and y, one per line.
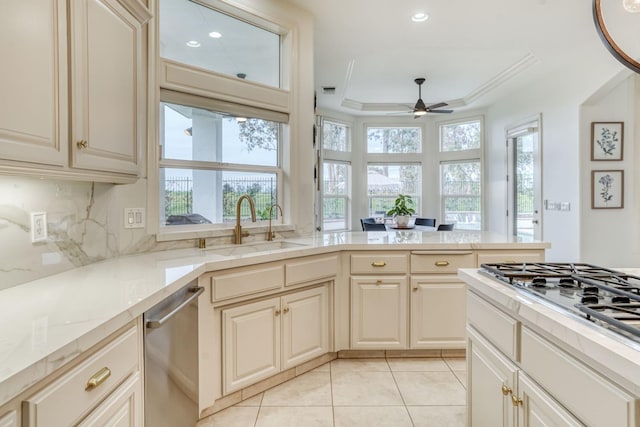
pixel 420 392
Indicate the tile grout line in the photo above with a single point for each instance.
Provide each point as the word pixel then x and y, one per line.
pixel 404 403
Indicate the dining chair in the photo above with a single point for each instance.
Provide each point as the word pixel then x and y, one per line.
pixel 445 227
pixel 373 227
pixel 429 222
pixel 364 221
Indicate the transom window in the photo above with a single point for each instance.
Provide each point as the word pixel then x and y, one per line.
pixel 394 140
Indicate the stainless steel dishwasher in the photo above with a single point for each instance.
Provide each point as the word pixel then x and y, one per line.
pixel 171 360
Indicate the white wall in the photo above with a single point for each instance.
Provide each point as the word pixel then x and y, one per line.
pixel 610 236
pixel 557 98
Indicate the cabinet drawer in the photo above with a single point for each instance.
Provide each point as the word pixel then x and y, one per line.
pixel 310 269
pixel 499 328
pixel 379 264
pixel 441 262
pixel 247 281
pixel 67 399
pixel 589 396
pixel 513 256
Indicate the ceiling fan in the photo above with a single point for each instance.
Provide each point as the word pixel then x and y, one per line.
pixel 420 109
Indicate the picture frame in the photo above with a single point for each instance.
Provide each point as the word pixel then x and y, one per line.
pixel 607 141
pixel 607 189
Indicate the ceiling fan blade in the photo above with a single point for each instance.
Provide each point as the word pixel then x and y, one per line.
pixel 438 105
pixel 440 111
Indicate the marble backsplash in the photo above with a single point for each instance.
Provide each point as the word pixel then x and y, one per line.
pixel 84 221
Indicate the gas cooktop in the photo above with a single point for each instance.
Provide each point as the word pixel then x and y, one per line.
pixel 607 297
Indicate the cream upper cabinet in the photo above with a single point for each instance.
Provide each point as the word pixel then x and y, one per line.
pixel 107 77
pixel 73 87
pixel 9 420
pixel 33 83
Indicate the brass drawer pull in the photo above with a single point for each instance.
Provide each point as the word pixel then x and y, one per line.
pixel 516 401
pixel 506 390
pixel 98 378
pixel 278 312
pixel 441 263
pixel 378 282
pixel 82 144
pixel 378 263
pixel 286 310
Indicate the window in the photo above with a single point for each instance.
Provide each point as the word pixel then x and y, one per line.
pixel 335 136
pixel 336 175
pixel 386 181
pixel 199 36
pixel 460 194
pixel 209 158
pixel 335 195
pixel 461 174
pixel 394 140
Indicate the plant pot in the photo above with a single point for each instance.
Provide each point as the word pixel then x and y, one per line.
pixel 402 220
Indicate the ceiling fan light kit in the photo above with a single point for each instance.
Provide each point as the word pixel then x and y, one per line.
pixel 420 109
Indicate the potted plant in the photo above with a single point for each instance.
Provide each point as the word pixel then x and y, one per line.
pixel 402 209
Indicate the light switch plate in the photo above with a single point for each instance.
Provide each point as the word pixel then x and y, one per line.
pixel 38 226
pixel 134 218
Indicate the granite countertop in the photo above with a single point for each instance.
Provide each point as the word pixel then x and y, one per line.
pixel 47 322
pixel 615 357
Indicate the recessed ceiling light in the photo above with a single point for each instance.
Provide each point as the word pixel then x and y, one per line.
pixel 193 43
pixel 215 35
pixel 420 17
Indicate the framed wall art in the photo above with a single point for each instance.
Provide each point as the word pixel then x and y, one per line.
pixel 607 189
pixel 606 140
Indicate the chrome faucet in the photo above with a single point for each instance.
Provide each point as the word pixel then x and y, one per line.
pixel 237 234
pixel 270 234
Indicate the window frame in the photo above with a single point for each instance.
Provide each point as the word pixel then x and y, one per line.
pixel 212 86
pixel 461 156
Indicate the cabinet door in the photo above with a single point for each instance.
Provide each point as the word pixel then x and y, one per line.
pixel 33 111
pixel 492 379
pixel 438 312
pixel 251 343
pixel 9 420
pixel 107 105
pixel 539 409
pixel 305 326
pixel 123 408
pixel 379 312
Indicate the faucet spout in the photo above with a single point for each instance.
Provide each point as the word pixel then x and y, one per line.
pixel 237 234
pixel 270 234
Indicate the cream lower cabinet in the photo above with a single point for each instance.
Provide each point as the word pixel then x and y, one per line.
pixel 379 312
pixel 105 389
pixel 262 338
pixel 438 312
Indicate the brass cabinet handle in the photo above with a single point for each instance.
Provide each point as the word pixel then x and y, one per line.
pixel 98 378
pixel 82 144
pixel 516 401
pixel 441 263
pixel 378 263
pixel 415 289
pixel 278 312
pixel 286 310
pixel 378 282
pixel 506 390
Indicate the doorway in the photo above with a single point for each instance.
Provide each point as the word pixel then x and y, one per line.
pixel 524 178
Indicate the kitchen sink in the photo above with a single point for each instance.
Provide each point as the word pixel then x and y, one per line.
pixel 255 248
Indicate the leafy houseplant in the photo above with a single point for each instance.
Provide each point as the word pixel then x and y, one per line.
pixel 402 209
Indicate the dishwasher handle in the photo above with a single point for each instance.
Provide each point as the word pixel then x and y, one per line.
pixel 154 324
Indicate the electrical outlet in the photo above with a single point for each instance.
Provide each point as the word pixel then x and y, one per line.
pixel 134 218
pixel 38 226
